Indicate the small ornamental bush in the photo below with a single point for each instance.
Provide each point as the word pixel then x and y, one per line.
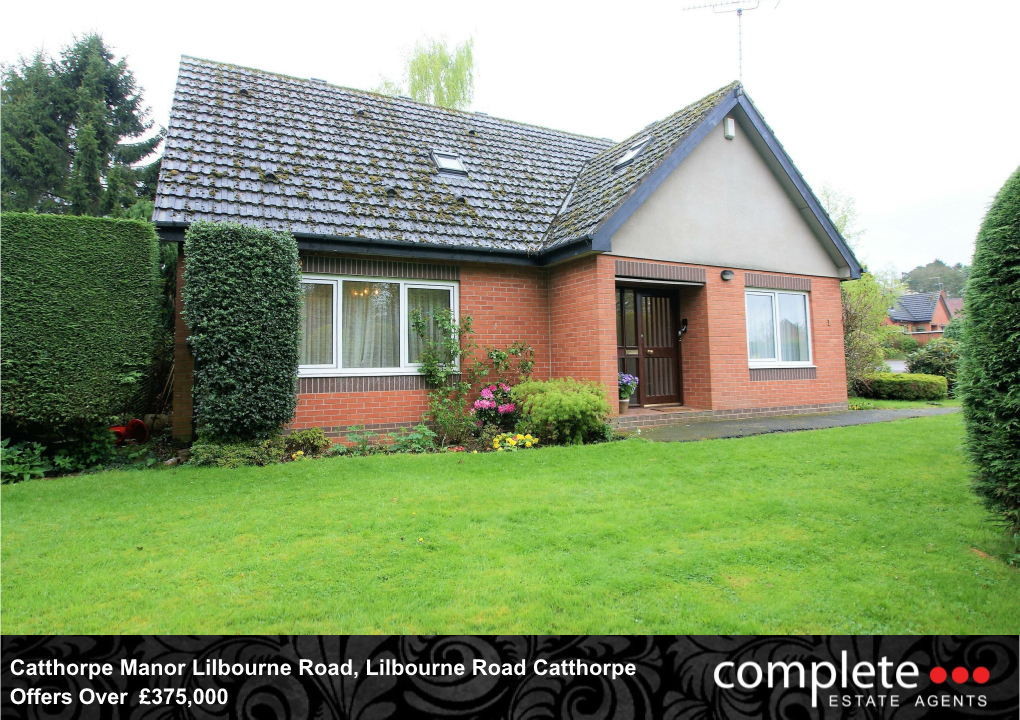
pixel 563 410
pixel 312 441
pixel 905 386
pixel 242 303
pixel 511 442
pixel 79 318
pixel 938 357
pixel 990 371
pixel 238 454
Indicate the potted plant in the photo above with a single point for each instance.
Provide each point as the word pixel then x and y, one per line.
pixel 628 384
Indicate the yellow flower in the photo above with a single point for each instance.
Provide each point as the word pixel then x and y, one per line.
pixel 527 444
pixel 499 449
pixel 520 437
pixel 421 539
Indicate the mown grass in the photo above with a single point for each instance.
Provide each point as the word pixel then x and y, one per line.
pixel 868 529
pixel 905 404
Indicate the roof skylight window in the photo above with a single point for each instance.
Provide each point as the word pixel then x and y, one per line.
pixel 449 163
pixel 632 152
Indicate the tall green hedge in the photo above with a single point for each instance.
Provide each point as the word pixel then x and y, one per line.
pixel 79 313
pixel 990 372
pixel 242 303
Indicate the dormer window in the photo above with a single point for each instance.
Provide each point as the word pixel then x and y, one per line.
pixel 449 163
pixel 632 152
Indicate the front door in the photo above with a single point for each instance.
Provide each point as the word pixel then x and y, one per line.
pixel 647 344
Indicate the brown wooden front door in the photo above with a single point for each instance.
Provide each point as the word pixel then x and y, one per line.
pixel 646 330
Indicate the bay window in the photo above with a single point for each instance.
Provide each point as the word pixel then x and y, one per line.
pixel 778 328
pixel 361 326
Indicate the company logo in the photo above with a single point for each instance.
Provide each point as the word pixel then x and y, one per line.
pixel 884 680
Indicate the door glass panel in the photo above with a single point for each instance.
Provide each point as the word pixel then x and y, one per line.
pixel 629 319
pixel 316 324
pixel 371 324
pixel 619 318
pixel 430 302
pixel 761 336
pixel 793 334
pixel 655 315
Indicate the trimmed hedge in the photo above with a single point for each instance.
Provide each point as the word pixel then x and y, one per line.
pixel 79 316
pixel 990 372
pixel 242 303
pixel 905 386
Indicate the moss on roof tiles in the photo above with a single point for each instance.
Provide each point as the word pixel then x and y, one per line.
pixel 519 177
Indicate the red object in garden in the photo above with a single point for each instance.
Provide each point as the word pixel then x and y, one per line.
pixel 135 430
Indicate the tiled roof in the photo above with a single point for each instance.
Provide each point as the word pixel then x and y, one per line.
pixel 600 188
pixel 955 305
pixel 914 307
pixel 334 166
pixel 325 161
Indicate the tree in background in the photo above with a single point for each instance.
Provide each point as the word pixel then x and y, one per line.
pixel 437 75
pixel 926 278
pixel 865 301
pixel 70 134
pixel 989 380
pixel 842 210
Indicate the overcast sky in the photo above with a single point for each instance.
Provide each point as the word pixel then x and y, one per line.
pixel 906 106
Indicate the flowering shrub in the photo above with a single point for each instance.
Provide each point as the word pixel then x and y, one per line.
pixel 510 442
pixel 628 384
pixel 496 407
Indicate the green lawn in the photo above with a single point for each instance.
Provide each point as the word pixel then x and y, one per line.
pixel 900 404
pixel 868 529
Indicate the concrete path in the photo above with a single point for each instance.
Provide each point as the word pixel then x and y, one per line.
pixel 896 366
pixel 715 429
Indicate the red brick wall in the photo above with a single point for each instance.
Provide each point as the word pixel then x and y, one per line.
pixel 582 321
pixel 715 373
pixel 506 304
pixel 567 313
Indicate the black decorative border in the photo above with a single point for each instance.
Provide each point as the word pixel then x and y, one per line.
pixel 674 676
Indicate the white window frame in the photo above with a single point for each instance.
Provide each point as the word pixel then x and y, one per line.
pixel 406 368
pixel 777 361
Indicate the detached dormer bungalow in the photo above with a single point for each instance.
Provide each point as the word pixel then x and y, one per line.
pixel 692 254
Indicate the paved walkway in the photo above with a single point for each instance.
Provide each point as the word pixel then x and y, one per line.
pixel 716 429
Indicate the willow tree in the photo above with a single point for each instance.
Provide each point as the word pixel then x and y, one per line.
pixel 437 75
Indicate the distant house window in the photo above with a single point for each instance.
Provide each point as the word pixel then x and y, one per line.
pixel 778 328
pixel 632 152
pixel 449 163
pixel 361 326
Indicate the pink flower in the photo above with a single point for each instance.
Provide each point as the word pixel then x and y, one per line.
pixel 487 393
pixel 504 409
pixel 484 404
pixel 504 387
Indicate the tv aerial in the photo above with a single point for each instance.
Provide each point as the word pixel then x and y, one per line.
pixel 737 6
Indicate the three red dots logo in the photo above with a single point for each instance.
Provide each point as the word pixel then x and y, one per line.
pixel 960 675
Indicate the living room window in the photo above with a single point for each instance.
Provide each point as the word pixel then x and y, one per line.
pixel 778 328
pixel 361 326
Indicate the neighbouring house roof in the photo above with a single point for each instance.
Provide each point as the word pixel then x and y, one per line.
pixel 333 164
pixel 915 307
pixel 955 305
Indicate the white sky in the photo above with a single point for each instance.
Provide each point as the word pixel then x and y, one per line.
pixel 904 105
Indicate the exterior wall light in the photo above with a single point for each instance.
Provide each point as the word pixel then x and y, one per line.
pixel 726 275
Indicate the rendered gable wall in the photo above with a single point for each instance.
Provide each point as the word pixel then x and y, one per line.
pixel 723 206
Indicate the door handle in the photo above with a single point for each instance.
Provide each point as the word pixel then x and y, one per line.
pixel 649 351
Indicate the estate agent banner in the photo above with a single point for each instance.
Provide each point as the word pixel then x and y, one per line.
pixel 265 677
